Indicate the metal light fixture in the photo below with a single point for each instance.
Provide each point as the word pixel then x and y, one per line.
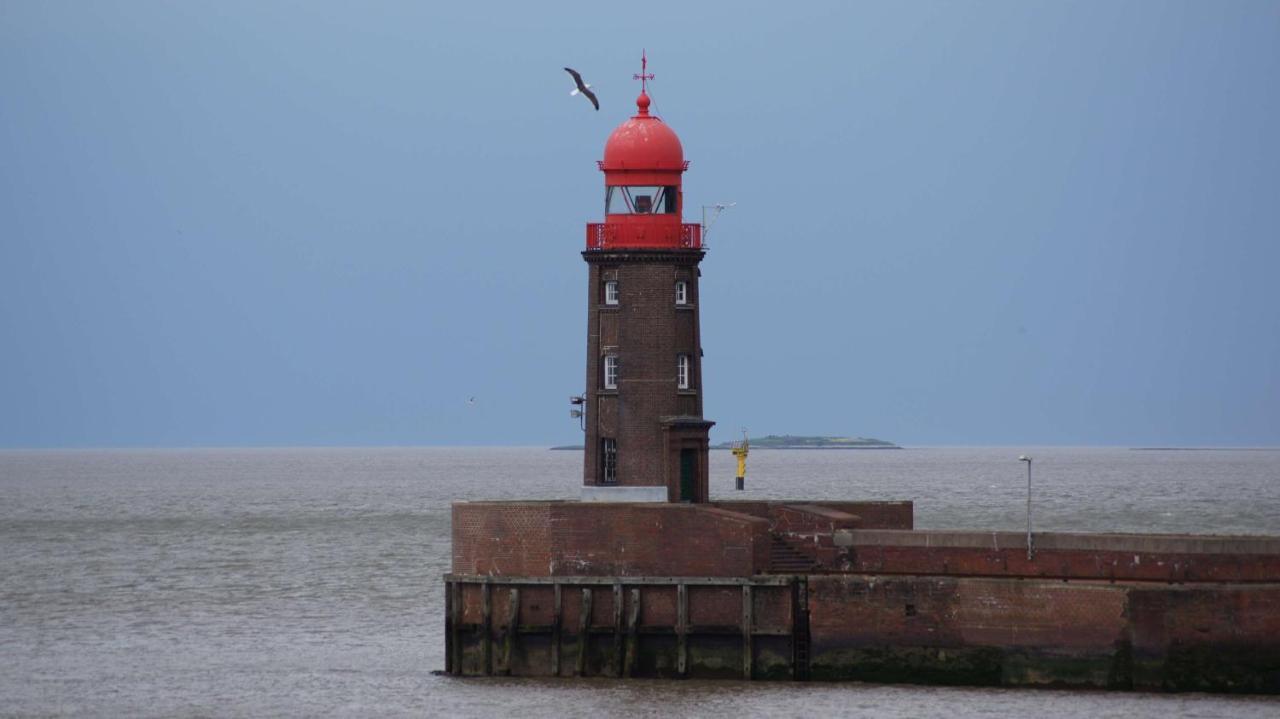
pixel 579 411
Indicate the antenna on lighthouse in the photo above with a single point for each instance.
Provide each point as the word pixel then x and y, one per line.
pixel 715 215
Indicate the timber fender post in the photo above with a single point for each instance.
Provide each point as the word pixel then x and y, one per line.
pixel 682 630
pixel 747 628
pixel 555 631
pixel 513 616
pixel 486 629
pixel 800 629
pixel 617 631
pixel 633 619
pixel 450 641
pixel 584 632
pixel 514 626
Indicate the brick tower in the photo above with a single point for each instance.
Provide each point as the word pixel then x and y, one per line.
pixel 644 424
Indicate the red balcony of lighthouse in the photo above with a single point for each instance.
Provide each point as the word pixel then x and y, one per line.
pixel 613 235
pixel 643 166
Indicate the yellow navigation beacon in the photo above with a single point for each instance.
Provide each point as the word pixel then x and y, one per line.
pixel 740 451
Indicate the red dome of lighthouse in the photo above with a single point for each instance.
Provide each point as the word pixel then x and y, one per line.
pixel 643 143
pixel 644 197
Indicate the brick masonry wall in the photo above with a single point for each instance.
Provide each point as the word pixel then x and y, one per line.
pixel 1017 632
pixel 860 611
pixel 871 515
pixel 1166 615
pixel 600 539
pixel 876 515
pixel 1168 558
pixel 511 538
pixel 730 539
pixel 646 330
pixel 810 522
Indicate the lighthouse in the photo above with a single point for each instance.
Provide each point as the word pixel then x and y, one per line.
pixel 646 438
pixel 648 578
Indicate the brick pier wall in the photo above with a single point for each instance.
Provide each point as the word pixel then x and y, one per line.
pixel 981 631
pixel 636 539
pixel 926 630
pixel 1172 612
pixel 1058 555
pixel 539 539
pixel 870 515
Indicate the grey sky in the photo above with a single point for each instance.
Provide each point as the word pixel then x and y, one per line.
pixel 247 223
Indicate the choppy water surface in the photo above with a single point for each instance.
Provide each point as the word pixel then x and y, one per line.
pixel 307 581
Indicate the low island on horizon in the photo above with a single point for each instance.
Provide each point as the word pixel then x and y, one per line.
pixel 790 441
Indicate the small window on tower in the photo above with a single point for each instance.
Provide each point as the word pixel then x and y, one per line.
pixel 682 371
pixel 682 292
pixel 611 371
pixel 608 460
pixel 611 292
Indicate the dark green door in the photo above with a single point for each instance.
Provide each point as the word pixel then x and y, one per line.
pixel 688 474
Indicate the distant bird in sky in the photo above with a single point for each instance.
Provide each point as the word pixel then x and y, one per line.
pixel 471 401
pixel 582 87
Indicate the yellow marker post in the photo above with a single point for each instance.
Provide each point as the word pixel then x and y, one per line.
pixel 740 451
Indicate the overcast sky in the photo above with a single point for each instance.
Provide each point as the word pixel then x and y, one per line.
pixel 302 223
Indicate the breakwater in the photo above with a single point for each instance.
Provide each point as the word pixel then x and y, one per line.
pixel 849 590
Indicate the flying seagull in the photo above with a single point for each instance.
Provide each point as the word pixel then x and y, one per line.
pixel 582 87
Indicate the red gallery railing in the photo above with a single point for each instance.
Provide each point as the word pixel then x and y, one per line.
pixel 606 235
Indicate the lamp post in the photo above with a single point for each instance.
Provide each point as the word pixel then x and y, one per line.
pixel 1030 552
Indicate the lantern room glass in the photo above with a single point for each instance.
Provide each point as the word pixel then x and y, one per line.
pixel 641 200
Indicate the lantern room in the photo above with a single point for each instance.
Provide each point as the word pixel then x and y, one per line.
pixel 643 163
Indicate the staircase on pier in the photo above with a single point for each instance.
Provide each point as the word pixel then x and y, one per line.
pixel 784 558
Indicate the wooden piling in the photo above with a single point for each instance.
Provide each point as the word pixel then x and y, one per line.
pixel 449 639
pixel 682 629
pixel 633 638
pixel 513 616
pixel 555 633
pixel 746 631
pixel 455 591
pixel 617 630
pixel 486 628
pixel 800 630
pixel 584 631
pixel 493 639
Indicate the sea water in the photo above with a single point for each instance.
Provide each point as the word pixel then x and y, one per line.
pixel 307 582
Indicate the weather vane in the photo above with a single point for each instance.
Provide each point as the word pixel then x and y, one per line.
pixel 644 75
